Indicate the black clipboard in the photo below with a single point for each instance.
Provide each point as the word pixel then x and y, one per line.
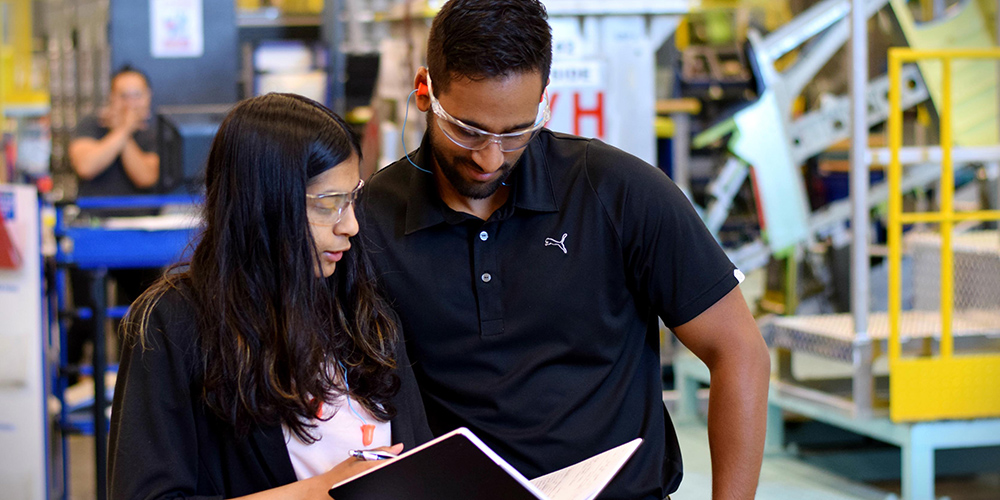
pixel 457 465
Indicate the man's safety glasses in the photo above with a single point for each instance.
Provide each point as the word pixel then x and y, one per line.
pixel 327 209
pixel 474 138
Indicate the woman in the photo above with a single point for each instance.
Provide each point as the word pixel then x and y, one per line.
pixel 254 369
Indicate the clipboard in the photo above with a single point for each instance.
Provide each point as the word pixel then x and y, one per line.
pixel 458 465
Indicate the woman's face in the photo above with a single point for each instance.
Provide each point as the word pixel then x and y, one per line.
pixel 330 208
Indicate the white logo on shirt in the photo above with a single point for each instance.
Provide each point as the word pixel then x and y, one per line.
pixel 739 275
pixel 561 243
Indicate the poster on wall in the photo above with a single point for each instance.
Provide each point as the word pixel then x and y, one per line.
pixel 176 28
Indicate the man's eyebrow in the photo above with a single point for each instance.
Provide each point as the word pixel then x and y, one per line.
pixel 519 126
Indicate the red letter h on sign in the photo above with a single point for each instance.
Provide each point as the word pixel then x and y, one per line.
pixel 597 113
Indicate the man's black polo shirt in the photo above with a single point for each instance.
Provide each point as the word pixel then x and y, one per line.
pixel 537 328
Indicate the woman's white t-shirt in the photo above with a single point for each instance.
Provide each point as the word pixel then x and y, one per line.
pixel 337 437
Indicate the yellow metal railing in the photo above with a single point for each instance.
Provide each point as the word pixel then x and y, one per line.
pixel 945 386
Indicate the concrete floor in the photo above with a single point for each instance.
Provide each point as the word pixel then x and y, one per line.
pixel 787 477
pixel 81 468
pixel 783 477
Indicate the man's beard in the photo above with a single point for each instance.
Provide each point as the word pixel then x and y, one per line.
pixel 465 187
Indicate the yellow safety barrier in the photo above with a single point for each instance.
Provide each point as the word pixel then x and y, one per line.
pixel 946 386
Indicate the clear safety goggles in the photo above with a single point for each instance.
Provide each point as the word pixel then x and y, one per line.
pixel 327 209
pixel 474 138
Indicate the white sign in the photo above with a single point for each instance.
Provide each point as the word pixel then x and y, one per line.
pixel 588 74
pixel 577 95
pixel 176 28
pixel 567 40
pixel 23 417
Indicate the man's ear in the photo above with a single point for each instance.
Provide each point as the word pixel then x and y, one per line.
pixel 423 92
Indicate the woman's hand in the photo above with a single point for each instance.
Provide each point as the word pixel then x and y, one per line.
pixel 318 487
pixel 354 466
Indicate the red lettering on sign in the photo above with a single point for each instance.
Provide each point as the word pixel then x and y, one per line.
pixel 596 113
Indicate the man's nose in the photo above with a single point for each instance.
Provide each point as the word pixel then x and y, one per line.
pixel 490 158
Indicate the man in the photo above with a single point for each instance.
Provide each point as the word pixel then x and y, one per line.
pixel 113 153
pixel 529 267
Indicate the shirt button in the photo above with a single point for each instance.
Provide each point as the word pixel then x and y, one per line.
pixel 484 236
pixel 486 277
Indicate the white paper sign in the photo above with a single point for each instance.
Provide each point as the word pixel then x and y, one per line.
pixel 176 28
pixel 23 347
pixel 576 74
pixel 578 95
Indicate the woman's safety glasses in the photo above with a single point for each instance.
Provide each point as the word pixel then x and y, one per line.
pixel 473 138
pixel 327 209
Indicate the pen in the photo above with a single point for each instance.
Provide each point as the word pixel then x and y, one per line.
pixel 372 454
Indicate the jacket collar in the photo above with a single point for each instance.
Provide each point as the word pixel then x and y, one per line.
pixel 268 444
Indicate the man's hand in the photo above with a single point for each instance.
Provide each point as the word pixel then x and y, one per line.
pixel 90 157
pixel 133 119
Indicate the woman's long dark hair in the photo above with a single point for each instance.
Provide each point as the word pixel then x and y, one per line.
pixel 272 334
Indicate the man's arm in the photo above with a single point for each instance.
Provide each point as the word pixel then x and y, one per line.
pixel 727 339
pixel 90 157
pixel 142 168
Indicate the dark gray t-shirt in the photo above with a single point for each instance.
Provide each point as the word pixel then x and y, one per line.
pixel 113 181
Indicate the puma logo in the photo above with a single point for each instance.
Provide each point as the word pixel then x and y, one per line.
pixel 549 242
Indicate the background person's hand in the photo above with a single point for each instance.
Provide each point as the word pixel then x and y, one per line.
pixel 124 116
pixel 133 119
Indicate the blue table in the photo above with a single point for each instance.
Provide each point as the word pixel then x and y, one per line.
pixel 97 250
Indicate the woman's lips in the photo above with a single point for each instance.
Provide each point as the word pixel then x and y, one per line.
pixel 333 256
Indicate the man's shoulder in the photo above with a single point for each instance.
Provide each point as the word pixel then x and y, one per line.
pixel 392 176
pixel 89 127
pixel 389 186
pixel 603 163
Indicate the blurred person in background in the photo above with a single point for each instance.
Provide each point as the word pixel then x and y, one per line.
pixel 113 153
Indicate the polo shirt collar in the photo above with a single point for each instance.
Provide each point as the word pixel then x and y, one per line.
pixel 533 180
pixel 532 188
pixel 424 207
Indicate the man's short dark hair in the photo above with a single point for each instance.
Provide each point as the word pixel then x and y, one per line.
pixel 479 39
pixel 128 68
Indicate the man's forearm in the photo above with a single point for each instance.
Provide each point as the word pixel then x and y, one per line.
pixel 727 339
pixel 142 168
pixel 737 419
pixel 93 157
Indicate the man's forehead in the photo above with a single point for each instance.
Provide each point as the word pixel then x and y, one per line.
pixel 525 78
pixel 492 105
pixel 514 90
pixel 128 78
